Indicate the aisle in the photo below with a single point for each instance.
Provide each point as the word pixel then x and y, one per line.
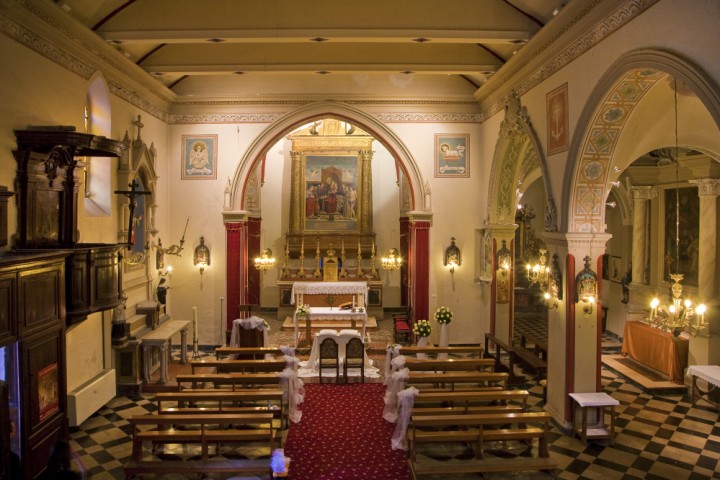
pixel 342 436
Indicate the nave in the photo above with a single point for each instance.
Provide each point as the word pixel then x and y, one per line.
pixel 658 437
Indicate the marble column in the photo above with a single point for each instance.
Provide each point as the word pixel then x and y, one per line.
pixel 641 197
pixel 366 204
pixel 297 193
pixel 708 190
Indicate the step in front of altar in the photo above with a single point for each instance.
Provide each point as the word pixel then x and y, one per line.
pixel 288 324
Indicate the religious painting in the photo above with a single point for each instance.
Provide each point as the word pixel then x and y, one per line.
pixel 199 157
pixel 48 391
pixel 616 271
pixel 332 200
pixel 452 155
pixel 682 250
pixel 486 253
pixel 557 120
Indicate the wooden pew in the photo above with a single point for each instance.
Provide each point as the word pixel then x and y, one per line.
pixel 227 365
pixel 539 348
pixel 486 380
pixel 233 380
pixel 247 352
pixel 497 354
pixel 429 402
pixel 201 430
pixel 250 400
pixel 463 364
pixel 537 364
pixel 434 350
pixel 478 429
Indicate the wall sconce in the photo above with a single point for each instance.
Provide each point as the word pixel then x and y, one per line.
pixel 452 257
pixel 504 258
pixel 201 258
pixel 554 292
pixel 167 272
pixel 586 288
pixel 266 261
pixel 392 261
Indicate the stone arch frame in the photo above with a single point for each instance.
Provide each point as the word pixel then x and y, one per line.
pixel 517 157
pixel 599 127
pixel 316 111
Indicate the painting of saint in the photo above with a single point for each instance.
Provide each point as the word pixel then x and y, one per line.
pixel 331 193
pixel 199 157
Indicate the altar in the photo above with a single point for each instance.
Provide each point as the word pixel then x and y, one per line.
pixel 330 293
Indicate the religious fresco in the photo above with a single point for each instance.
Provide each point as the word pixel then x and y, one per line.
pixel 199 157
pixel 332 199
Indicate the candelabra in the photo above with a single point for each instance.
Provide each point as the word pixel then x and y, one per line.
pixel 680 315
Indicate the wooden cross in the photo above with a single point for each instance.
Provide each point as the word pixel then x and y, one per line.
pixel 131 194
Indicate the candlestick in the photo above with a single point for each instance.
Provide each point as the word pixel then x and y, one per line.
pixel 194 320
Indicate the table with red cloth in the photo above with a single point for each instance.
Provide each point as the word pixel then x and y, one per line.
pixel 657 349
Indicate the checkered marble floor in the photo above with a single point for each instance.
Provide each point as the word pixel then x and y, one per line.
pixel 657 437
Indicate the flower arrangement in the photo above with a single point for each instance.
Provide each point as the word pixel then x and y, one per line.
pixel 443 315
pixel 422 328
pixel 303 310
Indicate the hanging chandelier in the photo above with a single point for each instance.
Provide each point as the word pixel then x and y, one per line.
pixel 539 272
pixel 266 261
pixel 680 314
pixel 393 260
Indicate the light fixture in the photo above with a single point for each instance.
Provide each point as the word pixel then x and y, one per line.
pixel 392 261
pixel 538 273
pixel 167 272
pixel 586 288
pixel 201 258
pixel 173 249
pixel 504 258
pixel 680 315
pixel 453 256
pixel 554 288
pixel 266 261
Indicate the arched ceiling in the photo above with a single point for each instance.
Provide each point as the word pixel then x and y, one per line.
pixel 197 48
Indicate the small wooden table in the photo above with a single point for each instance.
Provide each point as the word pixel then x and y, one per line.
pixel 596 401
pixel 161 337
pixel 709 373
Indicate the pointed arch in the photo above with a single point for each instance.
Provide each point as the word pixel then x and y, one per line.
pixel 317 111
pixel 599 128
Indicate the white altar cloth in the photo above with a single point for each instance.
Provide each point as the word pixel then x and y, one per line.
pixel 319 288
pixel 250 323
pixel 709 373
pixel 327 313
pixel 310 367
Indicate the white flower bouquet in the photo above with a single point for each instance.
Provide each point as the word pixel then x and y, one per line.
pixel 443 315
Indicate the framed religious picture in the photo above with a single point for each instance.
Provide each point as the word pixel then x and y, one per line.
pixel 557 120
pixel 199 157
pixel 332 193
pixel 684 259
pixel 452 153
pixel 48 391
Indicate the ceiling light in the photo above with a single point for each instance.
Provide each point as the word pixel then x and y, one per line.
pixel 322 72
pixel 319 39
pixel 420 40
pixel 216 40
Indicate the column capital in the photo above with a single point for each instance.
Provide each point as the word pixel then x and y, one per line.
pixel 644 192
pixel 707 186
pixel 502 231
pixel 236 216
pixel 416 216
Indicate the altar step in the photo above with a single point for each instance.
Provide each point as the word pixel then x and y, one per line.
pixel 288 324
pixel 644 377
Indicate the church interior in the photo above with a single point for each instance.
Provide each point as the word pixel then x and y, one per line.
pixel 516 196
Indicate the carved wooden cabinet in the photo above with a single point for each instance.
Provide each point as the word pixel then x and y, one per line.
pixel 32 308
pixel 93 281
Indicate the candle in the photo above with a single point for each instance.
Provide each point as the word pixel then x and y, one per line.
pixel 195 330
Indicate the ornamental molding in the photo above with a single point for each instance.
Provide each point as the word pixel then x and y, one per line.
pixel 590 37
pixel 221 118
pixel 707 186
pixel 644 193
pixel 430 117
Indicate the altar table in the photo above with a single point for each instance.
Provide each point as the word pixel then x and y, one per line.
pixel 161 337
pixel 711 375
pixel 657 349
pixel 327 313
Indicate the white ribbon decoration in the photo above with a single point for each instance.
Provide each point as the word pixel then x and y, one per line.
pixel 391 352
pixel 397 383
pixel 291 362
pixel 396 364
pixel 289 383
pixel 406 401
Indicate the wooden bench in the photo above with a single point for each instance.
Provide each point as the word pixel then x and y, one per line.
pixel 479 429
pixel 233 380
pixel 260 466
pixel 217 401
pixel 539 348
pixel 451 364
pixel 497 354
pixel 227 365
pixel 537 364
pixel 429 402
pixel 211 428
pixel 434 350
pixel 247 352
pixel 490 380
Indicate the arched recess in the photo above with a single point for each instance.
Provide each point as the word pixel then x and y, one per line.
pixel 598 132
pixel 517 162
pixel 419 190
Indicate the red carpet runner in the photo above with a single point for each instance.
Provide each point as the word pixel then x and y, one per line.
pixel 342 436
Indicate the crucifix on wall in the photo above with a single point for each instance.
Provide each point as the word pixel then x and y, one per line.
pixel 131 195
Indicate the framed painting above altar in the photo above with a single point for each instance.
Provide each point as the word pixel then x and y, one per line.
pixel 332 197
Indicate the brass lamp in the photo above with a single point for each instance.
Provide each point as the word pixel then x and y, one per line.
pixel 266 261
pixel 453 256
pixel 586 288
pixel 392 261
